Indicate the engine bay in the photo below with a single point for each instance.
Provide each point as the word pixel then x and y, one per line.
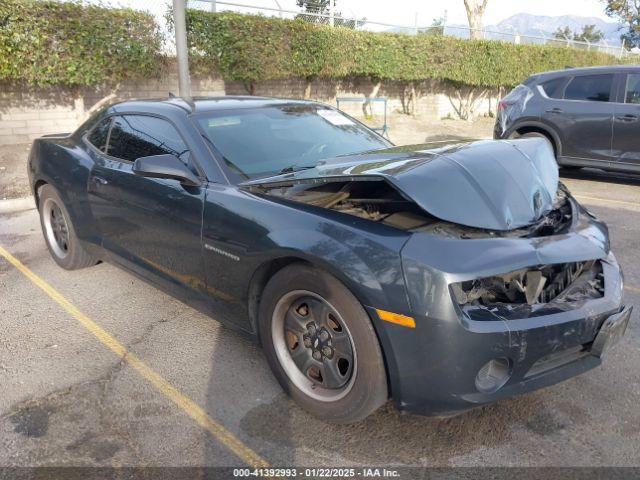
pixel 377 200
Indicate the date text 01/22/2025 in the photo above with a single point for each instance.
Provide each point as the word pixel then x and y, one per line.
pixel 364 472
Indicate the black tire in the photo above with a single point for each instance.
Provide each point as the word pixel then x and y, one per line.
pixel 368 385
pixel 67 253
pixel 516 135
pixel 542 135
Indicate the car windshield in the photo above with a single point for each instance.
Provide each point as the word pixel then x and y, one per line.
pixel 265 141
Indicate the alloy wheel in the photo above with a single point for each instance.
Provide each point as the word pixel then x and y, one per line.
pixel 56 228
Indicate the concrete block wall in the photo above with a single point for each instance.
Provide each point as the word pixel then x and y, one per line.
pixel 433 100
pixel 28 112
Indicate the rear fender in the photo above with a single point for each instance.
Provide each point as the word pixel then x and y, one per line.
pixel 66 167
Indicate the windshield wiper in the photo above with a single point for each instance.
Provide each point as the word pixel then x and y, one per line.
pixel 294 168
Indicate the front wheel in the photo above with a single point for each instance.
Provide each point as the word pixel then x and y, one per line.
pixel 321 345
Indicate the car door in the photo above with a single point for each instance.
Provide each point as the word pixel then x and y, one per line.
pixel 626 124
pixel 153 225
pixel 583 117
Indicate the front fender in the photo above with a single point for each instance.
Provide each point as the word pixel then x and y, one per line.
pixel 372 271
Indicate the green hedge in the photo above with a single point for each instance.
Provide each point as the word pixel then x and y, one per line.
pixel 54 43
pixel 74 44
pixel 250 48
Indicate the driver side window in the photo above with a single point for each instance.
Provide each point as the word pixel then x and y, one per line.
pixel 135 136
pixel 99 136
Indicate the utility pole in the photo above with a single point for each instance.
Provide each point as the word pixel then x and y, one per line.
pixel 331 12
pixel 180 25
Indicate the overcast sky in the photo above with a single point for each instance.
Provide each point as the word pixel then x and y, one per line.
pixel 403 12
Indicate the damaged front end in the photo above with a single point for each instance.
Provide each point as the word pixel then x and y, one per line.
pixel 529 292
pixel 373 199
pixel 379 201
pixel 512 192
pixel 510 281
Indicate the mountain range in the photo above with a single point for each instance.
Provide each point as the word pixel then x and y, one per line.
pixel 543 25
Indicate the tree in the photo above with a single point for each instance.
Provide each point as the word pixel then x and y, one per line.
pixel 588 34
pixel 563 33
pixel 475 11
pixel 317 11
pixel 314 6
pixel 628 13
pixel 436 28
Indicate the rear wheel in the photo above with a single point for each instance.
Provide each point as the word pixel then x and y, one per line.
pixel 321 345
pixel 59 234
pixel 542 135
pixel 530 135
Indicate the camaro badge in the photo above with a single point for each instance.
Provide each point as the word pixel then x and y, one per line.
pixel 537 201
pixel 222 252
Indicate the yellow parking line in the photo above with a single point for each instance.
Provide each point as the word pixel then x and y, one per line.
pixel 607 200
pixel 185 403
pixel 632 289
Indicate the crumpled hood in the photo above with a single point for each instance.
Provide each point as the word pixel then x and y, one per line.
pixel 493 184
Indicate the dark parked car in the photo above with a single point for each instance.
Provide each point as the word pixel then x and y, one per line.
pixel 591 116
pixel 443 277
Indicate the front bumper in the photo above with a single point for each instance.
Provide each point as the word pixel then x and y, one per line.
pixel 433 368
pixel 437 364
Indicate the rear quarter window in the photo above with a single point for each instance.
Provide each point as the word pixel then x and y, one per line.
pixel 553 88
pixel 593 88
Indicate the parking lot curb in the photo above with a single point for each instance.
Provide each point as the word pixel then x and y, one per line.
pixel 12 205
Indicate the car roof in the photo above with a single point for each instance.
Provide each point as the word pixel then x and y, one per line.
pixel 205 104
pixel 580 70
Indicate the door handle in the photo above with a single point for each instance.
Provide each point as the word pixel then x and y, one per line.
pixel 628 118
pixel 99 180
pixel 554 110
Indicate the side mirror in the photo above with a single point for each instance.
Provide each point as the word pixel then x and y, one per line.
pixel 165 166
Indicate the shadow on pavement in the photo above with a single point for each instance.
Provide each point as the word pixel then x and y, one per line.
pixel 277 429
pixel 596 175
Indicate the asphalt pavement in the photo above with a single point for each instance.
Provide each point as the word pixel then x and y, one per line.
pixel 99 368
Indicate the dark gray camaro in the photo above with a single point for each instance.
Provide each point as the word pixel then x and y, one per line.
pixel 442 276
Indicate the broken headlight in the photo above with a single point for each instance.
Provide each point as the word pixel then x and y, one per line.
pixel 536 285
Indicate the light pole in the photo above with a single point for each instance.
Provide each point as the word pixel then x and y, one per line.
pixel 180 25
pixel 331 12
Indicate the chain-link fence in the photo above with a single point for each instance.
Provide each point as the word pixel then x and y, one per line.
pixel 323 16
pixel 326 17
